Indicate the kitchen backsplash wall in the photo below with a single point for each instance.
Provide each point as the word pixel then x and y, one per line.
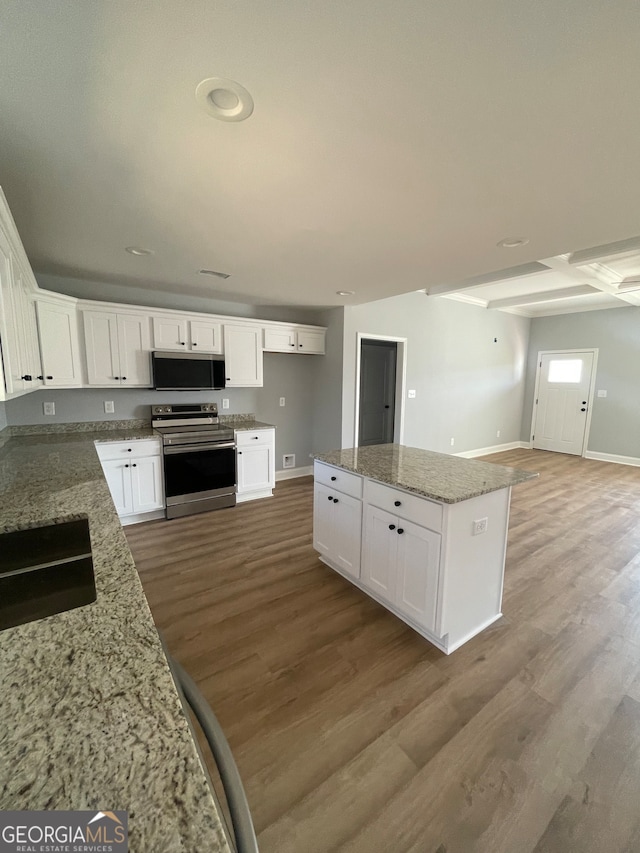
pixel 285 375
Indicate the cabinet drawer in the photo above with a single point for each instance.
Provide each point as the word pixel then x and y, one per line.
pixel 419 510
pixel 254 438
pixel 337 478
pixel 125 449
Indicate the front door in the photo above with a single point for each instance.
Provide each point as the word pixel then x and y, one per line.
pixel 377 392
pixel 564 386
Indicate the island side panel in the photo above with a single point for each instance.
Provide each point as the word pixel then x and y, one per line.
pixel 473 566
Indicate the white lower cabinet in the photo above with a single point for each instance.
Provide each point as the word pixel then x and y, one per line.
pixel 133 471
pixel 420 557
pixel 255 457
pixel 337 528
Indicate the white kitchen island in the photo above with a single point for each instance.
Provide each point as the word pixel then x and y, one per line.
pixel 422 533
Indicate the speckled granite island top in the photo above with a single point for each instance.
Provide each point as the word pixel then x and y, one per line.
pixel 449 479
pixel 90 717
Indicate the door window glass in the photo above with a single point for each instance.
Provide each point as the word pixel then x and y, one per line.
pixel 565 370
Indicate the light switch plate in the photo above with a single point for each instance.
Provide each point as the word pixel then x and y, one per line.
pixel 411 395
pixel 108 407
pixel 282 401
pixel 225 402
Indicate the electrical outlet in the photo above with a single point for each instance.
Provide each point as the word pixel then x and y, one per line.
pixel 480 526
pixel 498 434
pixel 108 407
pixel 411 395
pixel 453 441
pixel 282 401
pixel 225 402
pixel 49 408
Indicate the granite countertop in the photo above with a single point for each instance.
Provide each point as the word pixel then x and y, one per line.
pixel 242 424
pixel 91 718
pixel 439 476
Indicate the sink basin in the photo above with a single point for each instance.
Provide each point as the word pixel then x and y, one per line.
pixel 45 570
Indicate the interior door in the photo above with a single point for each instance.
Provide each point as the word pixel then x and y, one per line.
pixel 377 392
pixel 564 384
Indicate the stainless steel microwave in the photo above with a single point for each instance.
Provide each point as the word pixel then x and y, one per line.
pixel 187 371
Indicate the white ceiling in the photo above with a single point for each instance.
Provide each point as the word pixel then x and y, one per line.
pixel 391 147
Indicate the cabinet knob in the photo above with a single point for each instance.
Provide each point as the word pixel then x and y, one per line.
pixel 45 377
pixel 116 377
pixel 333 478
pixel 227 379
pixel 240 454
pixel 27 377
pixel 182 343
pixel 128 450
pixel 330 498
pixel 124 377
pixel 255 437
pixel 194 343
pixel 392 527
pixel 49 377
pixel 397 503
pixel 583 410
pixel 291 345
pixel 126 465
pixel 335 500
pixel 134 465
pixel 400 530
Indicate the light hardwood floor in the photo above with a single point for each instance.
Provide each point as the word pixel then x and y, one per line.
pixel 352 733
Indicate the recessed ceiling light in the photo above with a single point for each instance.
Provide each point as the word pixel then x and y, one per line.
pixel 345 292
pixel 224 99
pixel 216 273
pixel 136 250
pixel 513 242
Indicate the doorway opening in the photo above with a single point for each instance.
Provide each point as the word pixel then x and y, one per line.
pixel 565 381
pixel 380 369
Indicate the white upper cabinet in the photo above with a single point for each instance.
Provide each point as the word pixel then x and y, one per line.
pixel 118 348
pixel 181 333
pixel 59 342
pixel 294 339
pixel 243 356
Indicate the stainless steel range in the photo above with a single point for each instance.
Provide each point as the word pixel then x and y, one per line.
pixel 199 458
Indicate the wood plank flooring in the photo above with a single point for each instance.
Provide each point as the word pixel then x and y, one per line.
pixel 352 733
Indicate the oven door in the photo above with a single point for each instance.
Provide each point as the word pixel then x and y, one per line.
pixel 199 471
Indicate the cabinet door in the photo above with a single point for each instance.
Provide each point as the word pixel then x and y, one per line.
pixel 118 477
pixel 280 339
pixel 29 349
pixel 146 483
pixel 206 336
pixel 255 468
pixel 10 323
pixel 380 548
pixel 58 331
pixel 417 562
pixel 323 533
pixel 170 333
pixel 347 526
pixel 243 356
pixel 134 346
pixel 310 342
pixel 101 342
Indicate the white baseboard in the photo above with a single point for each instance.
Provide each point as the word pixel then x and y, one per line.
pixel 497 448
pixel 613 457
pixel 292 473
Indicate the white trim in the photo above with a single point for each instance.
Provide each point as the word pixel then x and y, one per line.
pixel 253 496
pixel 497 448
pixel 139 517
pixel 292 473
pixel 613 457
pixel 401 380
pixel 592 385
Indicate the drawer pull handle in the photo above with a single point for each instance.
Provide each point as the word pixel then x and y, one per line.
pixel 128 450
pixel 255 437
pixel 397 503
pixel 127 465
pixel 392 527
pixel 134 465
pixel 330 498
pixel 333 478
pixel 335 500
pixel 400 530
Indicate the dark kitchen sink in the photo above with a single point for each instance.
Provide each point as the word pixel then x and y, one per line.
pixel 45 570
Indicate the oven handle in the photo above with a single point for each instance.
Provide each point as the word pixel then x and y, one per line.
pixel 194 448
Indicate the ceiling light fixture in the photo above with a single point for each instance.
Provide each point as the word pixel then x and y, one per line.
pixel 224 99
pixel 216 273
pixel 512 242
pixel 345 292
pixel 136 250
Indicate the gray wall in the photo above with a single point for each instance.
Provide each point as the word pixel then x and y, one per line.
pixel 178 299
pixel 327 397
pixel 3 416
pixel 467 386
pixel 288 376
pixel 615 420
